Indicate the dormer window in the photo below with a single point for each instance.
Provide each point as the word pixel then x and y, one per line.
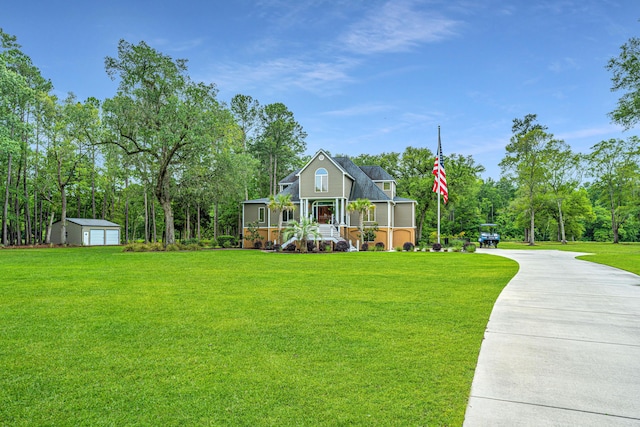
pixel 322 180
pixel 386 186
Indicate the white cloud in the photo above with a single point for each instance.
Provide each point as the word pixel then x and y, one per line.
pixel 358 110
pixel 280 74
pixel 397 26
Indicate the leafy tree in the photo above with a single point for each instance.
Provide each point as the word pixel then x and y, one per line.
pixel 463 182
pixel 158 113
pixel 280 203
pixel 614 165
pixel 301 231
pixel 279 144
pixel 626 76
pixel 527 164
pixel 414 181
pixel 563 177
pixel 246 112
pixel 361 206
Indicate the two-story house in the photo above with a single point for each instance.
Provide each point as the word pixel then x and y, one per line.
pixel 322 190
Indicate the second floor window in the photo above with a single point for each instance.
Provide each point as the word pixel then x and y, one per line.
pixel 322 180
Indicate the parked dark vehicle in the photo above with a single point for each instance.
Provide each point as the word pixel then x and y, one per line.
pixel 488 236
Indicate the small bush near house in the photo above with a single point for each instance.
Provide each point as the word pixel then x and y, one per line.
pixel 342 246
pixel 322 247
pixel 379 246
pixel 269 245
pixel 291 247
pixel 398 248
pixel 257 244
pixel 311 246
pixel 470 247
pixel 436 247
pixel 408 246
pixel 364 247
pixel 277 247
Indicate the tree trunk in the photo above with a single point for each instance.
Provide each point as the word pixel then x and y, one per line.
pixel 48 238
pixel 153 221
pixel 562 235
pixel 615 227
pixel 532 237
pixel 126 210
pixel 198 226
pixel 188 223
pixel 163 194
pixel 27 208
pixel 215 220
pixel 63 215
pixel 146 217
pixel 5 210
pixel 93 183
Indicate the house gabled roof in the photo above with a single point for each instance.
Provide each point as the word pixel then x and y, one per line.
pixel 331 159
pixel 363 187
pixel 377 173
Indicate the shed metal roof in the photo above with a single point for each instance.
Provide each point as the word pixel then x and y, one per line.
pixel 89 222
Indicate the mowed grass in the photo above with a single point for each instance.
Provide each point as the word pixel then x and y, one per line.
pixel 625 256
pixel 95 336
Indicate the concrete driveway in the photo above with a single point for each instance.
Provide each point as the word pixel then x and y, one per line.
pixel 562 347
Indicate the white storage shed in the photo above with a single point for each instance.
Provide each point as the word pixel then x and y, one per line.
pixel 87 232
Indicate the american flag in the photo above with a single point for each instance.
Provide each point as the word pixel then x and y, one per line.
pixel 441 175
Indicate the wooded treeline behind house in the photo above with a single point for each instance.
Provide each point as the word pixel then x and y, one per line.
pixel 167 159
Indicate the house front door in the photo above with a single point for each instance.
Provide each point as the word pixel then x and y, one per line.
pixel 324 215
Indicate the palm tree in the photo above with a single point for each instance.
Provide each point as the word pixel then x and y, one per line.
pixel 301 231
pixel 361 206
pixel 280 203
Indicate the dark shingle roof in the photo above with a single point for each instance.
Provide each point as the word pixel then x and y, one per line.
pixel 377 173
pixel 293 189
pixel 290 178
pixel 363 187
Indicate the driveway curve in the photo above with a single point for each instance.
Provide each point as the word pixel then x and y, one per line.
pixel 562 346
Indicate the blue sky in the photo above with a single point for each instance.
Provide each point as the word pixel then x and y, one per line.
pixel 363 76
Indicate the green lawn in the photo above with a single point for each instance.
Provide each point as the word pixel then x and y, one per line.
pixel 625 256
pixel 96 336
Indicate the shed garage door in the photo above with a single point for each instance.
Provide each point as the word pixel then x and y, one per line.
pixel 97 237
pixel 113 237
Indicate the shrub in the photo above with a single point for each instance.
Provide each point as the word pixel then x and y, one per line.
pixel 322 247
pixel 172 248
pixel 342 246
pixel 269 245
pixel 277 247
pixel 364 247
pixel 193 247
pixel 398 248
pixel 156 247
pixel 191 241
pixel 257 244
pixel 408 246
pixel 379 246
pixel 311 245
pixel 470 247
pixel 291 247
pixel 436 247
pixel 227 241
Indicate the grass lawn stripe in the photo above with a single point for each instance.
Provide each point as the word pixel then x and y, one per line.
pixel 95 336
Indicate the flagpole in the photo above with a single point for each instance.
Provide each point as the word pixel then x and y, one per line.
pixel 438 178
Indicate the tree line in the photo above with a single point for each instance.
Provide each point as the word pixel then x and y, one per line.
pixel 166 159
